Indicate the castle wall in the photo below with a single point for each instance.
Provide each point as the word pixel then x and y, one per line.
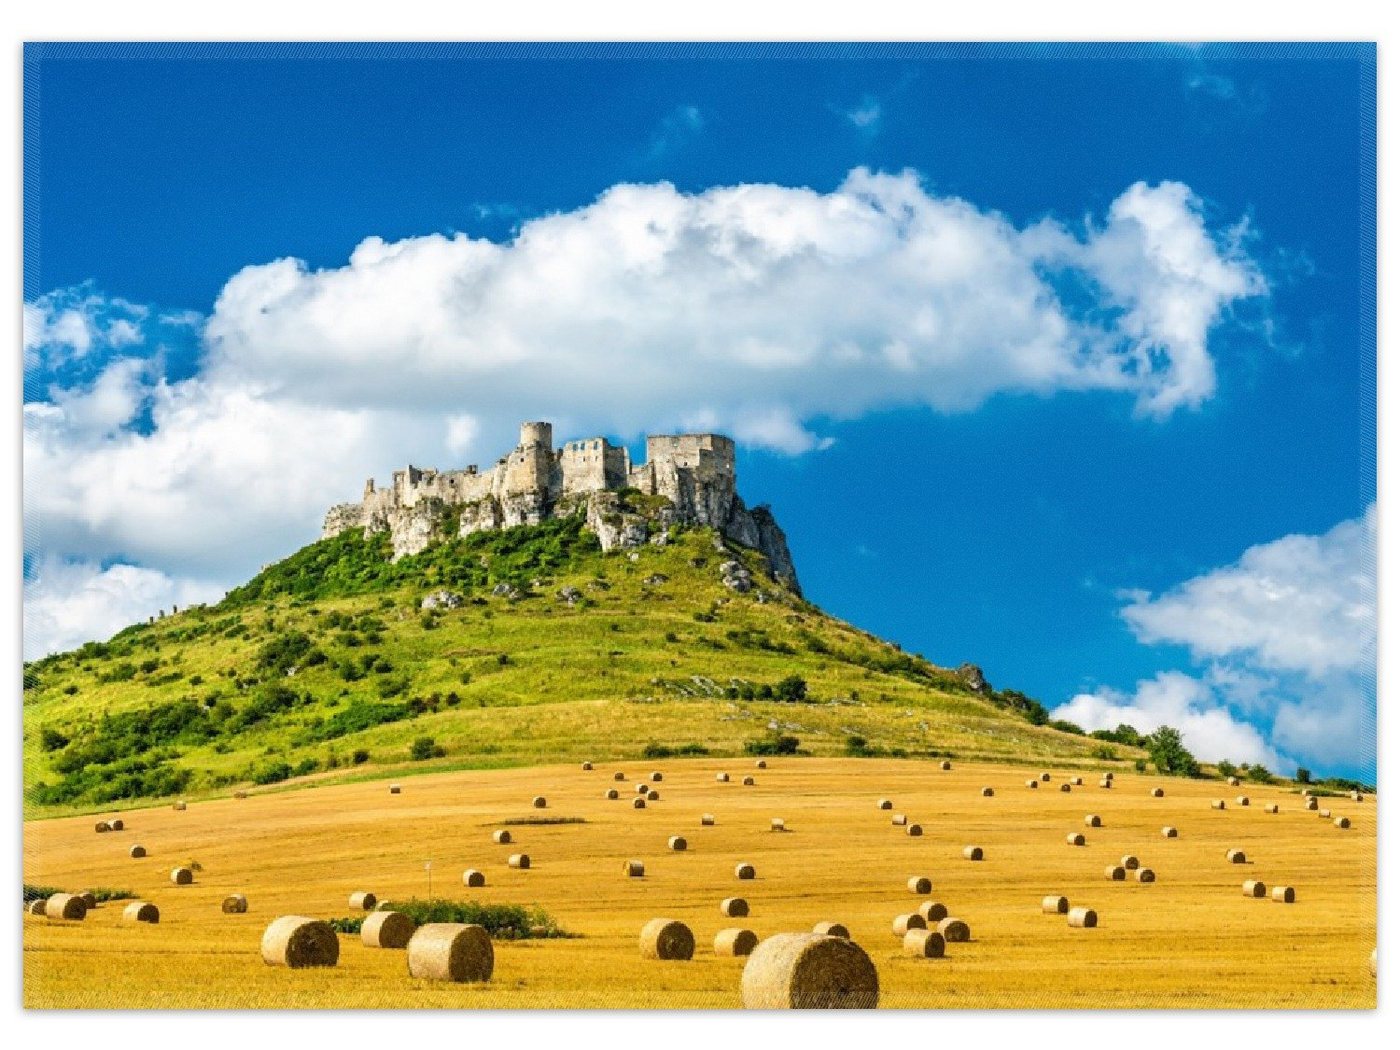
pixel 593 465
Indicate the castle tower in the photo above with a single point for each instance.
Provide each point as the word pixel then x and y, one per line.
pixel 532 434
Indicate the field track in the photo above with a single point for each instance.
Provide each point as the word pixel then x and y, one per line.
pixel 1191 939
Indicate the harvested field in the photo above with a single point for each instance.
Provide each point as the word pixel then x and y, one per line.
pixel 352 835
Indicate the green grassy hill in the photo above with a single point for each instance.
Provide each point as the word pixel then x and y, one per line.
pixel 325 667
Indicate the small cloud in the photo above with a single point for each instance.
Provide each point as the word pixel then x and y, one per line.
pixel 1212 84
pixel 866 115
pixel 677 129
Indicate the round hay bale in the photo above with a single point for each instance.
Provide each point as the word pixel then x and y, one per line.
pixel 1218 803
pixel 1146 875
pixel 760 764
pixel 1054 905
pixel 36 907
pixel 932 911
pixel 519 860
pixel 234 904
pixel 987 792
pixel 656 776
pixel 1342 822
pixel 639 802
pixel 749 782
pixel 1093 820
pixel 777 824
pixel 1234 782
pixel 1083 918
pixel 472 877
pixel 734 907
pixel 972 852
pixel 387 929
pixel 1064 787
pixel 102 827
pixel 181 876
pixel 634 869
pixel 240 794
pixel 136 852
pixel 587 767
pixel 707 820
pixel 1074 839
pixel 945 765
pixel 920 884
pixel 539 803
pixel 1045 777
pixel 735 942
pixel 1114 873
pixel 640 789
pixel 141 911
pixel 1032 784
pixel 395 789
pixel 1357 796
pixel 116 825
pixel 363 900
pixel 885 804
pixel 1283 895
pixel 743 871
pixel 954 931
pixel 89 899
pixel 1169 832
pixel 1129 862
pixel 914 830
pixel 1325 814
pixel 899 820
pixel 677 843
pixel 180 806
pixel 1108 775
pixel 611 793
pixel 1272 807
pixel 1311 803
pixel 807 971
pixel 1106 782
pixel 1235 856
pixel 451 951
pixel 296 941
pixel 619 775
pixel 1242 800
pixel 911 921
pixel 653 796
pixel 1077 781
pixel 501 837
pixel 924 944
pixel 831 929
pixel 1158 793
pixel 65 906
pixel 1254 888
pixel 667 939
pixel 723 778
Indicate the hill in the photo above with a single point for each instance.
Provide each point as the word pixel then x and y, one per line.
pixel 541 648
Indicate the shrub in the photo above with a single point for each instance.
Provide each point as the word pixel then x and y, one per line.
pixel 359 756
pixel 425 747
pixel 1105 753
pixel 778 745
pixel 1226 768
pixel 792 689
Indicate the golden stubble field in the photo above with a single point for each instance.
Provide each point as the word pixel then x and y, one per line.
pixel 1191 939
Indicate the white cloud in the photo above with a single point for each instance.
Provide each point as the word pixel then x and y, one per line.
pixel 651 304
pixel 754 309
pixel 1286 640
pixel 866 115
pixel 68 603
pixel 1208 729
pixel 1300 603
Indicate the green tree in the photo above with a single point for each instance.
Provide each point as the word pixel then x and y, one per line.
pixel 1169 754
pixel 1226 768
pixel 1303 776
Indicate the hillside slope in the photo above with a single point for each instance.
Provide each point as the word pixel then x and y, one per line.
pixel 326 667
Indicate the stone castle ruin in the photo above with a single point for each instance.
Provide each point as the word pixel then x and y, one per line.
pixel 692 474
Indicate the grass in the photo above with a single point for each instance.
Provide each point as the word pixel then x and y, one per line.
pixel 324 669
pixel 842 861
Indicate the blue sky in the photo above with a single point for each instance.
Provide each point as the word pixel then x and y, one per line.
pixel 1109 536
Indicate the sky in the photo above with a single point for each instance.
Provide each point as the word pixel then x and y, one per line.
pixel 1056 360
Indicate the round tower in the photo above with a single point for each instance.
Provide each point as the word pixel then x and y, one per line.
pixel 537 434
